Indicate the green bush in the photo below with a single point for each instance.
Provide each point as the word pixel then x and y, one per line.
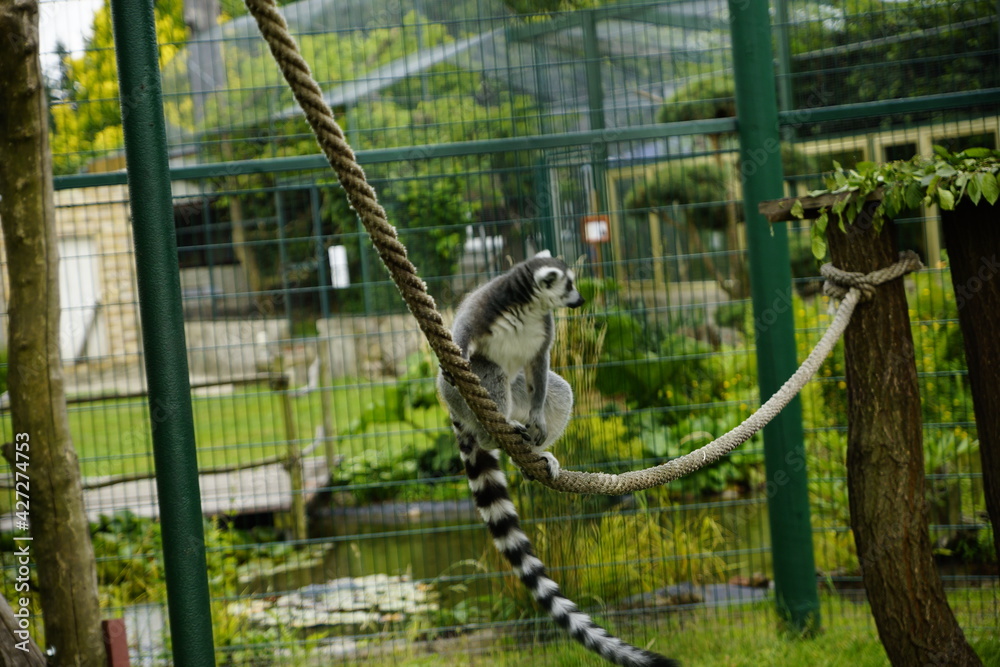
pixel 380 474
pixel 733 314
pixel 648 369
pixel 431 216
pixel 374 475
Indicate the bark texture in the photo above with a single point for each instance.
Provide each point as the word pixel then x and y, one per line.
pixel 972 237
pixel 885 466
pixel 64 555
pixel 15 650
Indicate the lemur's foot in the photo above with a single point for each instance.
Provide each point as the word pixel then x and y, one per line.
pixel 552 463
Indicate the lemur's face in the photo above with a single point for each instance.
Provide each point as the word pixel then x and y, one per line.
pixel 556 287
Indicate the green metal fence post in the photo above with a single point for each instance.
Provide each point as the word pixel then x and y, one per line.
pixel 770 275
pixel 599 148
pixel 163 332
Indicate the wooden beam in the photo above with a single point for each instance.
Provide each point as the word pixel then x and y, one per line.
pixel 780 210
pixel 115 642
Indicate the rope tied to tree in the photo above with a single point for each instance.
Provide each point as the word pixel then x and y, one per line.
pixel 362 197
pixel 839 282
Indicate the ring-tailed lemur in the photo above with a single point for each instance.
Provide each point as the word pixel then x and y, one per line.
pixel 505 330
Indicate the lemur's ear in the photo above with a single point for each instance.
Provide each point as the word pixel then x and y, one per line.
pixel 547 276
pixel 543 253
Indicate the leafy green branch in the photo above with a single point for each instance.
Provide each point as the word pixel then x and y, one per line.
pixel 944 179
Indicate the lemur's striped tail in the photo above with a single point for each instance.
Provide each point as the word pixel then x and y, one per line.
pixel 489 490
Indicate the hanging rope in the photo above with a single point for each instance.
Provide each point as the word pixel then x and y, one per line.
pixel 848 286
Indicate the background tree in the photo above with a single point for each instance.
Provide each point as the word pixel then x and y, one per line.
pixel 862 51
pixel 691 197
pixel 252 116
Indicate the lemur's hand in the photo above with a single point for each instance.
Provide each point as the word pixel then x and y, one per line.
pixel 521 429
pixel 536 430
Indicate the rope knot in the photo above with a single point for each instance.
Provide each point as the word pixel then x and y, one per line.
pixel 839 282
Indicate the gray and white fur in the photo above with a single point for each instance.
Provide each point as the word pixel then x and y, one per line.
pixel 505 329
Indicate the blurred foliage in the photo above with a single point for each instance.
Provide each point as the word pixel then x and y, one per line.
pixel 604 441
pixel 698 200
pixel 432 216
pixel 549 6
pixel 441 105
pixel 4 369
pixel 254 117
pixel 856 51
pixel 890 49
pixel 129 552
pixel 853 51
pixel 660 392
pixel 685 192
pixel 708 96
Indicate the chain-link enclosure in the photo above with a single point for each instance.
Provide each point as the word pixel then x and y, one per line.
pixel 338 524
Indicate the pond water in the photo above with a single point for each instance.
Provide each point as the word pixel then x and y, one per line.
pixel 443 543
pixel 437 543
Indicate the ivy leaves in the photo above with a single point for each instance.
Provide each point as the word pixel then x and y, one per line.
pixel 942 180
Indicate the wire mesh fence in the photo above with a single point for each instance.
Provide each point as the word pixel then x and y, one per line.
pixel 338 524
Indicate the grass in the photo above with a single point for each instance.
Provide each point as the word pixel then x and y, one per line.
pixel 114 437
pixel 736 638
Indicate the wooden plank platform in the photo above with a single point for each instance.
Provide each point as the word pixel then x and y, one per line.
pixel 262 489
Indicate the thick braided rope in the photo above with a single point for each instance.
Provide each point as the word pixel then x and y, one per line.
pixel 414 292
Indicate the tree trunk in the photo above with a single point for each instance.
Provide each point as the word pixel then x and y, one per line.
pixel 16 648
pixel 64 555
pixel 244 250
pixel 885 466
pixel 972 237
